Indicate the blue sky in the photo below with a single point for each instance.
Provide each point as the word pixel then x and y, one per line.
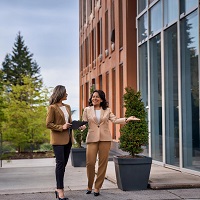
pixel 50 29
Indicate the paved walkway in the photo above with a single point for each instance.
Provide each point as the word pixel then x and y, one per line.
pixel 34 179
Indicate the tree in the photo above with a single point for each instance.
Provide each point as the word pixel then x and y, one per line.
pixel 1 100
pixel 134 134
pixel 25 114
pixel 19 64
pixel 1 114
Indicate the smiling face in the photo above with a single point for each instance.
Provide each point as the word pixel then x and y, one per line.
pixel 96 100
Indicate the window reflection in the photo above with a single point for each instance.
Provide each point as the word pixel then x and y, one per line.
pixel 143 71
pixel 156 97
pixel 155 18
pixel 143 29
pixel 141 5
pixel 171 96
pixel 187 5
pixel 190 91
pixel 170 11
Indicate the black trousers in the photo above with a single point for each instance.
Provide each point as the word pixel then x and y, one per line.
pixel 62 154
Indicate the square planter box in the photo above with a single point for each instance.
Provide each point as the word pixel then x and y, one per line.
pixel 132 173
pixel 78 157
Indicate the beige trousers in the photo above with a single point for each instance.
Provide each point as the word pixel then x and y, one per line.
pixel 101 148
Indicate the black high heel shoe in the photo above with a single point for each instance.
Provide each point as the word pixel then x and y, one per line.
pixel 96 194
pixel 56 193
pixel 88 191
pixel 57 196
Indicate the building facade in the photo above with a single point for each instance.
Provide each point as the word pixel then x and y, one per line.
pixel 152 46
pixel 108 51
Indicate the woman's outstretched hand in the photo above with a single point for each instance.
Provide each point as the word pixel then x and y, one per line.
pixel 132 118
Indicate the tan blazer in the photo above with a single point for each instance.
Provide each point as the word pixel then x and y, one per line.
pixel 100 131
pixel 55 121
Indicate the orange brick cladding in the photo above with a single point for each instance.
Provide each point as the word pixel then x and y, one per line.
pixel 107 51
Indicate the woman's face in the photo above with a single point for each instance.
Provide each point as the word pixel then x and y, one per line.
pixel 96 100
pixel 64 97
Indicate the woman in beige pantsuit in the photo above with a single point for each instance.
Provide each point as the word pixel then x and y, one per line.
pixel 99 137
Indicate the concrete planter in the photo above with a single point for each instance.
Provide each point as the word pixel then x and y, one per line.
pixel 132 173
pixel 78 157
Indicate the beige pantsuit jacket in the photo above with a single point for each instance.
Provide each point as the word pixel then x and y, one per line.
pixel 99 131
pixel 54 121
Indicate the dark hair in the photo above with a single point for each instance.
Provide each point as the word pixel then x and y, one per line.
pixel 104 103
pixel 58 93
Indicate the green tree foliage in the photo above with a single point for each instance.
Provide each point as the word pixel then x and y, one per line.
pixel 135 133
pixel 25 114
pixel 24 99
pixel 19 64
pixel 1 100
pixel 1 112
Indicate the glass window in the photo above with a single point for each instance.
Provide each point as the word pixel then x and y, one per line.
pixel 156 97
pixel 171 96
pixel 142 4
pixel 143 27
pixel 187 5
pixel 143 81
pixel 155 18
pixel 143 72
pixel 100 82
pixel 150 1
pixel 190 91
pixel 170 11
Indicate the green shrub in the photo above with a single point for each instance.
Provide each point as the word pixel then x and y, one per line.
pixel 135 133
pixel 80 136
pixel 46 147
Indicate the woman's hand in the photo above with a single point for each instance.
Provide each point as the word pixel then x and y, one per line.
pixel 66 126
pixel 132 118
pixel 82 128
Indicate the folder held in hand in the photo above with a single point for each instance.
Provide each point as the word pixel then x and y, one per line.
pixel 77 124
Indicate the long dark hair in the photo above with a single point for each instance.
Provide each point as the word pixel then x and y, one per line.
pixel 58 93
pixel 104 103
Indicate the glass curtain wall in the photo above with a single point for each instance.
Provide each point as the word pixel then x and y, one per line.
pixel 170 11
pixel 187 5
pixel 155 14
pixel 171 96
pixel 190 91
pixel 155 18
pixel 168 46
pixel 156 98
pixel 143 76
pixel 141 5
pixel 143 30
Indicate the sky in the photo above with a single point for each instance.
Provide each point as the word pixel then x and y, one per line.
pixel 50 29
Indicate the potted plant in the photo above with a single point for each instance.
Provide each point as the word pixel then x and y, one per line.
pixel 78 152
pixel 132 171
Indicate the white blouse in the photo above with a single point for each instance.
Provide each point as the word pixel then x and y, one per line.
pixel 63 108
pixel 98 113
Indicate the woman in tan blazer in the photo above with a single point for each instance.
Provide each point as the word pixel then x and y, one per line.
pixel 99 137
pixel 58 121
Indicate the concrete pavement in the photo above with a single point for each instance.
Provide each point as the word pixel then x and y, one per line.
pixel 35 179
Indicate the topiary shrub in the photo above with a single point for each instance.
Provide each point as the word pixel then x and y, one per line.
pixel 134 134
pixel 80 136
